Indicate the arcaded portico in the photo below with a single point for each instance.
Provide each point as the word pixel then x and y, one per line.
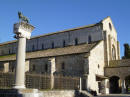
pixel 119 75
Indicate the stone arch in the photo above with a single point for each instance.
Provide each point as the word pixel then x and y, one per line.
pixel 114 84
pixel 113 52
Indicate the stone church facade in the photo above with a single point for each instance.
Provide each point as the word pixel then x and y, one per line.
pixel 86 52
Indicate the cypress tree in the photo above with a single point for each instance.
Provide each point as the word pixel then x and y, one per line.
pixel 126 51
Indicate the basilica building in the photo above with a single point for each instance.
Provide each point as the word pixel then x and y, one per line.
pixel 91 52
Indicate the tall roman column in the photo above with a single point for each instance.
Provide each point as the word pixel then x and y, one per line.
pixel 23 31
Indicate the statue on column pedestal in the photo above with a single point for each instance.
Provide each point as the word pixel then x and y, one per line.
pixel 22 17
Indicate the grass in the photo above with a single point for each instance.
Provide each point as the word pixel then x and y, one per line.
pixel 7 56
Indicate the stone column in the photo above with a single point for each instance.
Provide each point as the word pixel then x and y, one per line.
pixel 123 85
pixel 80 84
pixel 6 67
pixel 52 69
pixel 20 61
pixel 27 62
pixel 106 86
pixel 23 31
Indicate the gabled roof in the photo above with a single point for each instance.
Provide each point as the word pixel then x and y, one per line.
pixel 78 49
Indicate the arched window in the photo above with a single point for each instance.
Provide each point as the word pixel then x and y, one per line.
pixel 33 47
pixel 42 46
pixel 63 43
pixel 110 26
pixel 12 68
pixel 9 51
pixel 89 39
pixel 46 67
pixel 113 53
pixel 76 41
pixel 98 66
pixel 33 68
pixel 63 66
pixel 52 45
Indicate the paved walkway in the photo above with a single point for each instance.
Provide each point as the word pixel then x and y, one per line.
pixel 115 95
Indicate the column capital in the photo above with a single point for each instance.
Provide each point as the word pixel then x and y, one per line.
pixel 23 29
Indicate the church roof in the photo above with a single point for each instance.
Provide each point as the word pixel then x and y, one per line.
pixel 120 63
pixel 73 29
pixel 48 34
pixel 77 49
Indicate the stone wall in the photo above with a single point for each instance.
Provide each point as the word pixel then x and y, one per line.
pixel 8 48
pixel 73 65
pixel 96 66
pixel 41 81
pixel 60 93
pixel 121 72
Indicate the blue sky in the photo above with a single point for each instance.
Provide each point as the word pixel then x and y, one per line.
pixel 55 15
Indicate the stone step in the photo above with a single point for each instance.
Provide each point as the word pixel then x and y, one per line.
pixel 112 96
pixel 115 95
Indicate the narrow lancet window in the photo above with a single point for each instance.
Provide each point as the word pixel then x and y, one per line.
pixel 89 39
pixel 46 67
pixel 63 66
pixel 52 45
pixel 33 47
pixel 42 46
pixel 63 43
pixel 76 41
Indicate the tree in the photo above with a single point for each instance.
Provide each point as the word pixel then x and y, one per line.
pixel 126 51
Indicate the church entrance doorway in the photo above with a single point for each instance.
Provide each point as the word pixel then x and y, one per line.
pixel 114 84
pixel 127 83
